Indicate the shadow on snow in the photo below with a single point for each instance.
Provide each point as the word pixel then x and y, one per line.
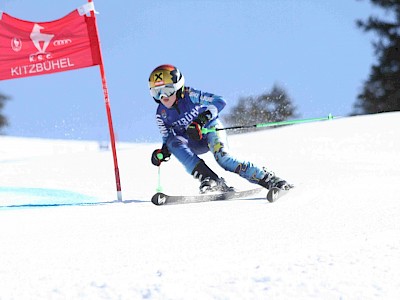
pixel 23 197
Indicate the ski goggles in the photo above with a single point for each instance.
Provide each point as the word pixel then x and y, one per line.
pixel 166 91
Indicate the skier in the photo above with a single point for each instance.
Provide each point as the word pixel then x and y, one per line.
pixel 182 112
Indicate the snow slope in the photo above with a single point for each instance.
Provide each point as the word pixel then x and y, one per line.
pixel 335 236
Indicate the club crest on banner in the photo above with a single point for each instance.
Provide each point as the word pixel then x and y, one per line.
pixel 16 44
pixel 41 41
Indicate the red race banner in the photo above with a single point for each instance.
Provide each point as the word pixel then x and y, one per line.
pixel 38 48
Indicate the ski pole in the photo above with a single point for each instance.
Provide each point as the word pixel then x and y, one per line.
pixel 159 187
pixel 270 124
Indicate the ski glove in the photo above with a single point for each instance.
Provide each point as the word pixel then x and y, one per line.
pixel 194 130
pixel 160 155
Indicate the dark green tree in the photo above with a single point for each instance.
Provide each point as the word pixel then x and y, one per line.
pixel 381 92
pixel 273 106
pixel 3 119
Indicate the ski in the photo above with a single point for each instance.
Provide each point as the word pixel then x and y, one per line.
pixel 275 193
pixel 163 199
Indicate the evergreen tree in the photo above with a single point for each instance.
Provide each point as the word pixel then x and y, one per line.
pixel 381 92
pixel 3 119
pixel 273 106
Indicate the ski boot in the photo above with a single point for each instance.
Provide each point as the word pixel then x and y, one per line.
pixel 270 181
pixel 209 181
pixel 208 185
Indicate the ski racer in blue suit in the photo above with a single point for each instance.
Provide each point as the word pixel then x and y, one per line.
pixel 182 113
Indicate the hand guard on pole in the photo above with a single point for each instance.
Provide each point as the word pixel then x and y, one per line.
pixel 194 130
pixel 160 155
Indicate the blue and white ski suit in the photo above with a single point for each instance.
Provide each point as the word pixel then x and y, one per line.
pixel 174 121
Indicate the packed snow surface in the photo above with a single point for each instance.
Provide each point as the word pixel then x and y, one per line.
pixel 336 235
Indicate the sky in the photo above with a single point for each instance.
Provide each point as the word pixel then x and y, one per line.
pixel 313 49
pixel 334 236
